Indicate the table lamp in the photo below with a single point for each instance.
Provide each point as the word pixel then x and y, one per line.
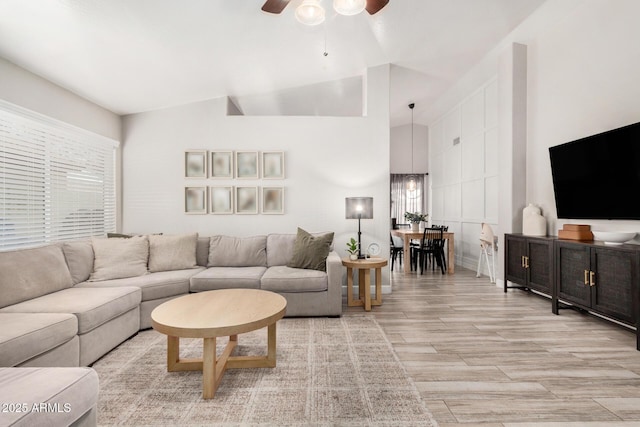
pixel 359 208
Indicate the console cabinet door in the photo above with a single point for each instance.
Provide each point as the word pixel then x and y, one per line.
pixel 515 250
pixel 540 265
pixel 612 293
pixel 572 273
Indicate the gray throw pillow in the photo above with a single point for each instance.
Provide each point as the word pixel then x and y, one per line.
pixel 310 252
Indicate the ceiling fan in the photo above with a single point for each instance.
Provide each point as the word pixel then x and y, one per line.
pixel 277 6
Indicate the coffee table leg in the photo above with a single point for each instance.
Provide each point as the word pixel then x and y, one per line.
pixel 209 380
pixel 173 353
pixel 271 345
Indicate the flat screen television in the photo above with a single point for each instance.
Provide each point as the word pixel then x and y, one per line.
pixel 598 177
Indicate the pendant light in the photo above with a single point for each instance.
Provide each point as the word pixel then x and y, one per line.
pixel 412 181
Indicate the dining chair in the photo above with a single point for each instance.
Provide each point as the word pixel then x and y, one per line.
pixel 431 250
pixel 397 249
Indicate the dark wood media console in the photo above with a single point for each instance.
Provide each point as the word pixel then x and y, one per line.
pixel 591 276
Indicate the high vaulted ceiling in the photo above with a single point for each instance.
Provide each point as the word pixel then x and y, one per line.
pixel 137 55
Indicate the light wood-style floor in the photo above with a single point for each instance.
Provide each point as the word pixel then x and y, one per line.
pixel 482 357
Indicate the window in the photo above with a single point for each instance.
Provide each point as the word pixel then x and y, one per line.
pixel 404 200
pixel 57 182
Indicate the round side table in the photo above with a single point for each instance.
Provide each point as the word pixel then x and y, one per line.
pixel 364 267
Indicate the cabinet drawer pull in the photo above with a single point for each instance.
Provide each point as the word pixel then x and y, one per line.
pixel 592 278
pixel 586 277
pixel 526 262
pixel 522 261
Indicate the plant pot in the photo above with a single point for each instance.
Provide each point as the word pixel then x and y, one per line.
pixel 353 257
pixel 415 226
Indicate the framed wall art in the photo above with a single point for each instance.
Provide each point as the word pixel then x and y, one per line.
pixel 273 200
pixel 247 164
pixel 195 200
pixel 221 164
pixel 273 164
pixel 221 199
pixel 246 200
pixel 195 164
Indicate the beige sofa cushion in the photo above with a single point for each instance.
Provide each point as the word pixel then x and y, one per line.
pixel 73 390
pixel 118 258
pixel 172 252
pixel 93 307
pixel 286 279
pixel 30 273
pixel 79 256
pixel 226 251
pixel 26 335
pixel 227 277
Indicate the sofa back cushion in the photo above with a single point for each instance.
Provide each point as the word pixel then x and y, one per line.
pixel 226 251
pixel 79 256
pixel 172 252
pixel 202 251
pixel 119 258
pixel 30 273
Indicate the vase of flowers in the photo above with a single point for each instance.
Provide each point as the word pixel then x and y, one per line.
pixel 415 218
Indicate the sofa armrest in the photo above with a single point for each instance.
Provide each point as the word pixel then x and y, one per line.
pixel 334 283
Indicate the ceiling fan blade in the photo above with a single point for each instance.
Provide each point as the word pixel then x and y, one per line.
pixel 374 6
pixel 275 6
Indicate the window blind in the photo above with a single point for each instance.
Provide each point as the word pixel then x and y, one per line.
pixel 57 182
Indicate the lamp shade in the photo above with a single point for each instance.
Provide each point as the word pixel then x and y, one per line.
pixel 310 12
pixel 349 7
pixel 359 207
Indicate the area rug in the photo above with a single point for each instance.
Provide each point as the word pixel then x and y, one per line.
pixel 330 371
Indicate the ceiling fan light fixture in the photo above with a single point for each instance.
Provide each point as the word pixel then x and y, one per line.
pixel 349 7
pixel 310 13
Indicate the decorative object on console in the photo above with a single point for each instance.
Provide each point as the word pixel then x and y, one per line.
pixel 195 164
pixel 533 223
pixel 359 208
pixel 575 232
pixel 613 237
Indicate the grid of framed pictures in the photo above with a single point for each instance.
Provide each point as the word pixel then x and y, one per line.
pixel 234 164
pixel 227 199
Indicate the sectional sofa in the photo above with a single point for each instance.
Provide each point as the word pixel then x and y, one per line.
pixel 67 304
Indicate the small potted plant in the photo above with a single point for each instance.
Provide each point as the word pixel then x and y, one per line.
pixel 352 248
pixel 415 218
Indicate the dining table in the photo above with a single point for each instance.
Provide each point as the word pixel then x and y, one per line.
pixel 407 234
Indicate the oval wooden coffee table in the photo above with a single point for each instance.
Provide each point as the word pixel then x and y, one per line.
pixel 212 314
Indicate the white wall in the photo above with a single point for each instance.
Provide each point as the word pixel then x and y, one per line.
pixel 401 153
pixel 30 91
pixel 327 159
pixel 582 68
pixel 583 80
pixel 464 174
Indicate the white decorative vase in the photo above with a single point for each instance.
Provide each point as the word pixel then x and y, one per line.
pixel 353 257
pixel 415 226
pixel 533 223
